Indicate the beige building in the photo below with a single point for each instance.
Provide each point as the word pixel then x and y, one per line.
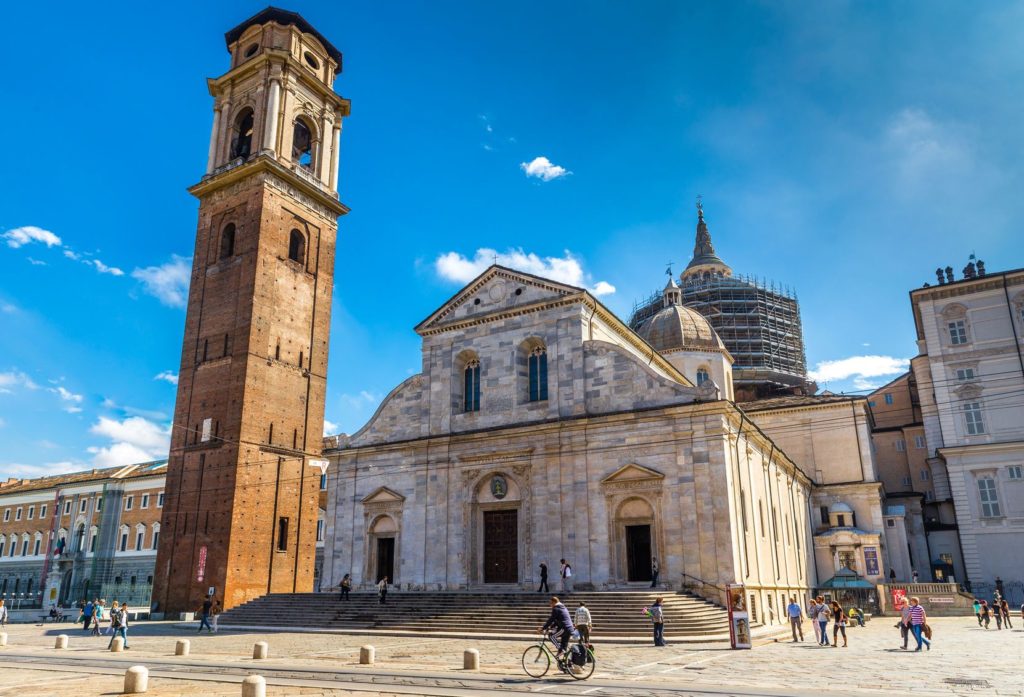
pixel 541 428
pixel 970 377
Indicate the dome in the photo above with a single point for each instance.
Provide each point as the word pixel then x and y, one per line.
pixel 678 327
pixel 839 508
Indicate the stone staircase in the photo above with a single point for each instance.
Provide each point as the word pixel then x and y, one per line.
pixel 616 613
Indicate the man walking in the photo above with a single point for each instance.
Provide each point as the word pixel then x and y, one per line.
pixel 654 572
pixel 977 610
pixel 583 622
pixel 543 579
pixel 566 575
pixel 216 615
pixel 204 617
pixel 823 615
pixel 382 590
pixel 1004 606
pixel 87 615
pixel 796 618
pixel 658 618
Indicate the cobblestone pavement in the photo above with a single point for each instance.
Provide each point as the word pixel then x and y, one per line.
pixel 965 660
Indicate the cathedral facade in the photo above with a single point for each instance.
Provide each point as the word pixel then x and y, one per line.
pixel 543 428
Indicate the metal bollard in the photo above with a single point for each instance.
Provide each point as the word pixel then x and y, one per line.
pixel 471 659
pixel 254 686
pixel 260 649
pixel 182 647
pixel 136 679
pixel 62 641
pixel 366 655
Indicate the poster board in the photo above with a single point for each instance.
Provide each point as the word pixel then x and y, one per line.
pixel 739 616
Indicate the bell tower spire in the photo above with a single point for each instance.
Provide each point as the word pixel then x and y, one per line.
pixel 704 262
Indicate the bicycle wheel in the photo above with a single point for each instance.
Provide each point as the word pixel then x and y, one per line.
pixel 582 672
pixel 536 661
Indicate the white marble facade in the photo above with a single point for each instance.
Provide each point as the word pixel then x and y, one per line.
pixel 621 460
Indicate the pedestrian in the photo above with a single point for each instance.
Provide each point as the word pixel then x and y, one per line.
pixel 97 618
pixel 3 614
pixel 812 615
pixel 346 586
pixel 904 624
pixel 892 575
pixel 918 620
pixel 1004 606
pixel 654 572
pixel 204 615
pixel 543 579
pixel 566 575
pixel 977 610
pixel 114 608
pixel 87 615
pixel 915 575
pixel 997 611
pixel 658 618
pixel 796 618
pixel 215 613
pixel 583 622
pixel 119 623
pixel 838 624
pixel 985 617
pixel 999 587
pixel 823 616
pixel 382 590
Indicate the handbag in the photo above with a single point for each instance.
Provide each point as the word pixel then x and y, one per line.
pixel 928 632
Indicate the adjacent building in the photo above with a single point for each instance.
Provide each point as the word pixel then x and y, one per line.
pixel 970 380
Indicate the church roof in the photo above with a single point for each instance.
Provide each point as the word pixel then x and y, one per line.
pixel 676 327
pixel 286 18
pixel 792 401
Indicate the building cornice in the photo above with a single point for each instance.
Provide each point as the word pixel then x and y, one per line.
pixel 991 281
pixel 1002 446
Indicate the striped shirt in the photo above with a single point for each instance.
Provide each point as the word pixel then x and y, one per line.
pixel 916 615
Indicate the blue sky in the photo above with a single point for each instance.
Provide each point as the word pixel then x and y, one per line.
pixel 843 149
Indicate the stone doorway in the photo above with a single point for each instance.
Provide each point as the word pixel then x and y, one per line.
pixel 385 559
pixel 501 546
pixel 638 553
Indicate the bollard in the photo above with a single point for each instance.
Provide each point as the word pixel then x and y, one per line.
pixel 260 649
pixel 181 647
pixel 471 659
pixel 136 679
pixel 62 641
pixel 117 645
pixel 3 638
pixel 254 686
pixel 366 655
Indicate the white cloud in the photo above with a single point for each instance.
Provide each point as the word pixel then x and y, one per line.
pixel 453 266
pixel 544 169
pixel 71 254
pixel 36 262
pixel 926 151
pixel 860 368
pixel 66 395
pixel 330 428
pixel 103 268
pixel 135 440
pixel 8 308
pixel 20 236
pixel 16 378
pixel 167 282
pixel 168 376
pixel 22 471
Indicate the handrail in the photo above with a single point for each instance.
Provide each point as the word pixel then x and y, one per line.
pixel 706 583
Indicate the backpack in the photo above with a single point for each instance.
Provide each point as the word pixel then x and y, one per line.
pixel 115 619
pixel 579 655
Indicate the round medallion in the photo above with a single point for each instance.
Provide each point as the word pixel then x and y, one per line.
pixel 498 292
pixel 499 487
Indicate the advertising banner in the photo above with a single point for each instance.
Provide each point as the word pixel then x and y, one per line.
pixel 871 561
pixel 899 598
pixel 739 617
pixel 201 567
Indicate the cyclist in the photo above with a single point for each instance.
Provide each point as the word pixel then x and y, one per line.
pixel 560 621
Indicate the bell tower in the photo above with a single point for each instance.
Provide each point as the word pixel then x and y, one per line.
pixel 240 507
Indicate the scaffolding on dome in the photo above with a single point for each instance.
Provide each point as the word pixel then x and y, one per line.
pixel 757 320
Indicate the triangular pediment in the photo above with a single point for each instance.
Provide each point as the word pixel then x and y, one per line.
pixel 383 495
pixel 632 472
pixel 496 290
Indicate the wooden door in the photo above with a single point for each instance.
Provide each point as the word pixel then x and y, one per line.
pixel 501 546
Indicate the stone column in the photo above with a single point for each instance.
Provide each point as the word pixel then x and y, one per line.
pixel 325 158
pixel 211 160
pixel 335 154
pixel 273 106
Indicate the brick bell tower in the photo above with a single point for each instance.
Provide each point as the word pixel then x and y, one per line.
pixel 240 509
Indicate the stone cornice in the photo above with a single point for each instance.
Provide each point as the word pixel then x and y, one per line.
pixel 495 457
pixel 263 61
pixel 992 281
pixel 1002 446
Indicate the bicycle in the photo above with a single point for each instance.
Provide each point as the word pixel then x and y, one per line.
pixel 538 657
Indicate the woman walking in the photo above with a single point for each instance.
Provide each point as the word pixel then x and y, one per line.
pixel 658 618
pixel 839 625
pixel 215 613
pixel 918 618
pixel 985 613
pixel 977 610
pixel 823 615
pixel 812 615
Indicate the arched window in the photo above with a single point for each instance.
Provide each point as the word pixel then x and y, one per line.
pixel 241 139
pixel 80 538
pixel 227 241
pixel 302 144
pixel 702 376
pixel 538 372
pixel 471 386
pixel 297 247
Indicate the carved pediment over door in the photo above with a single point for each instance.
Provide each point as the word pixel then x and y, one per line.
pixel 633 476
